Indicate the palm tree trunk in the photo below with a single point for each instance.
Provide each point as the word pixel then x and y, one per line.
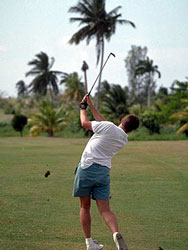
pixel 85 79
pixel 50 132
pixel 149 88
pixel 100 77
pixel 149 96
pixel 51 93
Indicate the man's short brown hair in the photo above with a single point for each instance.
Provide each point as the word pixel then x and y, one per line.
pixel 130 123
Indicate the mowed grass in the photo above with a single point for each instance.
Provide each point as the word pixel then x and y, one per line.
pixel 149 189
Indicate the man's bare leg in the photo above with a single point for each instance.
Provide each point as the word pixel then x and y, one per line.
pixel 108 216
pixel 110 219
pixel 85 218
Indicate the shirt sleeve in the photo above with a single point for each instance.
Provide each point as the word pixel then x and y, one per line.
pixel 101 127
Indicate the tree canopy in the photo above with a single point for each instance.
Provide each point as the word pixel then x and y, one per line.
pixel 97 24
pixel 44 78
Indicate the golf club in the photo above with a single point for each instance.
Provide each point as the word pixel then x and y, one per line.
pixel 100 72
pixel 83 105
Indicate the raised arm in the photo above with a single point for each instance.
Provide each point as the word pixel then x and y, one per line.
pixel 98 116
pixel 83 114
pixel 84 120
pixel 83 117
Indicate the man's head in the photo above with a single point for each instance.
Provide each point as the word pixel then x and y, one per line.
pixel 129 123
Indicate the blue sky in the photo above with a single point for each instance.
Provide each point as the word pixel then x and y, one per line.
pixel 30 26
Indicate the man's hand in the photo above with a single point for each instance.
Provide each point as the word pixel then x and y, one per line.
pixel 88 100
pixel 95 112
pixel 83 104
pixel 84 99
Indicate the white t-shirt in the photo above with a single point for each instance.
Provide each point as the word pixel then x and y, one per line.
pixel 106 142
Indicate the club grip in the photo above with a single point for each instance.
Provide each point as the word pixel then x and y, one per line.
pixel 83 105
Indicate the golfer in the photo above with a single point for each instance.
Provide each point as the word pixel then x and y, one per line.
pixel 92 177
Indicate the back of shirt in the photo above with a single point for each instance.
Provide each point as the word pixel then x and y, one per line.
pixel 106 142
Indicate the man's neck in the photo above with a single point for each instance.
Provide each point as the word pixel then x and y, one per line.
pixel 121 126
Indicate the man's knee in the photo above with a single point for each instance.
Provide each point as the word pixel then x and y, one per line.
pixel 103 206
pixel 85 203
pixel 85 207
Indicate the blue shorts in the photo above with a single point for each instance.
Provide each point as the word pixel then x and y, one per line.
pixel 93 181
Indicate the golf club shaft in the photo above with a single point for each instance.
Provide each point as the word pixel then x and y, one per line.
pixel 100 72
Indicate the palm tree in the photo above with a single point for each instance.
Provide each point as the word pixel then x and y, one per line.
pixel 146 68
pixel 114 101
pixel 44 78
pixel 85 67
pixel 96 23
pixel 46 119
pixel 182 117
pixel 74 87
pixel 21 88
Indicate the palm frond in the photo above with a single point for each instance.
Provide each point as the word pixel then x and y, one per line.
pixel 181 115
pixel 39 85
pixel 97 23
pixel 50 65
pixel 127 22
pixel 184 100
pixel 46 118
pixel 81 20
pixel 114 11
pixel 158 72
pixel 114 100
pixel 33 72
pixel 80 35
pixel 183 128
pixel 82 8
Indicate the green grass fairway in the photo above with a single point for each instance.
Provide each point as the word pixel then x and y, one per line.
pixel 149 189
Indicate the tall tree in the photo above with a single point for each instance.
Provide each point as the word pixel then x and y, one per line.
pixel 74 87
pixel 85 67
pixel 21 88
pixel 96 23
pixel 45 79
pixel 146 68
pixel 136 85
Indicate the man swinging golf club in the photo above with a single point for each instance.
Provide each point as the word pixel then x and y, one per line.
pixel 92 179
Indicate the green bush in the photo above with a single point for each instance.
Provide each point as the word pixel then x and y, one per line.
pixel 19 122
pixel 151 122
pixel 167 133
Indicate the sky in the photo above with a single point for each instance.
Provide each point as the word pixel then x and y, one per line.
pixel 28 27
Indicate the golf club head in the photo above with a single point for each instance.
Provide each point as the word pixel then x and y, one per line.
pixel 101 71
pixel 112 54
